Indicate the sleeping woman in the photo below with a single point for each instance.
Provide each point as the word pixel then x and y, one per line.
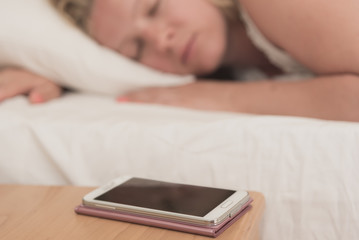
pixel 317 38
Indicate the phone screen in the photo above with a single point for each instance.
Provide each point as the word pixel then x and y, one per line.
pixel 171 197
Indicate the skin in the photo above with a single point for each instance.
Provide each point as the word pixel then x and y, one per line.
pixel 320 34
pixel 315 41
pixel 15 81
pixel 167 35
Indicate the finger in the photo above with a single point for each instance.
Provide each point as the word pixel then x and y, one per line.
pixel 123 99
pixel 161 95
pixel 44 93
pixel 9 89
pixel 136 96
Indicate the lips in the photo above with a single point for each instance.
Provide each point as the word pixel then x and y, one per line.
pixel 188 49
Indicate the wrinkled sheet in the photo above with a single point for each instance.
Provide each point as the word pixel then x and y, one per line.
pixel 307 169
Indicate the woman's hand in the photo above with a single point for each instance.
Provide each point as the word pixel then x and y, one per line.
pixel 205 95
pixel 15 81
pixel 328 97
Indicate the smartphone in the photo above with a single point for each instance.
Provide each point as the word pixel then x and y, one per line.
pixel 175 202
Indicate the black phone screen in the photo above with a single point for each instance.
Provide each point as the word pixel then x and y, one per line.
pixel 172 197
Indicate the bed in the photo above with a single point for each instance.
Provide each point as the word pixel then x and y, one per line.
pixel 306 168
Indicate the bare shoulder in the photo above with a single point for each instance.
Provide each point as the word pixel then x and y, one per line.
pixel 322 34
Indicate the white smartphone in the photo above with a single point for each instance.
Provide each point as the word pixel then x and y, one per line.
pixel 189 204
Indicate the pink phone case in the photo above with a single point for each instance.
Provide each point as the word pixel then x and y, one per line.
pixel 212 231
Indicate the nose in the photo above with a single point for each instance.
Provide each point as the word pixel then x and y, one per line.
pixel 159 36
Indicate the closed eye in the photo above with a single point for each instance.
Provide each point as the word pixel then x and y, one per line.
pixel 140 45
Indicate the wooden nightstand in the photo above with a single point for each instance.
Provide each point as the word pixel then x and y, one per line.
pixel 42 212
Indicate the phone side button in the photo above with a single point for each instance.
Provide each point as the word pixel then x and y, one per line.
pixel 107 207
pixel 227 204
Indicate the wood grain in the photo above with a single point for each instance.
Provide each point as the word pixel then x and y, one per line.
pixel 44 212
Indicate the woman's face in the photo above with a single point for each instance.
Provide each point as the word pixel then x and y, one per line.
pixel 176 36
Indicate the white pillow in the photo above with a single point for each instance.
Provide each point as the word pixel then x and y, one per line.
pixel 34 36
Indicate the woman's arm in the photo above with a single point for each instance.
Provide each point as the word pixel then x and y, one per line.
pixel 14 81
pixel 327 97
pixel 321 34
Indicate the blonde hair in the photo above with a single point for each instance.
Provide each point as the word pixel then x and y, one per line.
pixel 76 11
pixel 229 9
pixel 79 11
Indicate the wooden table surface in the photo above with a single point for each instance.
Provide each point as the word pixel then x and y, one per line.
pixel 44 212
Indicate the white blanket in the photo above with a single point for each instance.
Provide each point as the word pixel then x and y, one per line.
pixel 306 168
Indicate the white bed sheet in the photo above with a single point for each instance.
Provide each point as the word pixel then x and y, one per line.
pixel 307 169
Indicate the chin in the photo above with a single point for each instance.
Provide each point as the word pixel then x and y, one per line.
pixel 209 66
pixel 211 61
